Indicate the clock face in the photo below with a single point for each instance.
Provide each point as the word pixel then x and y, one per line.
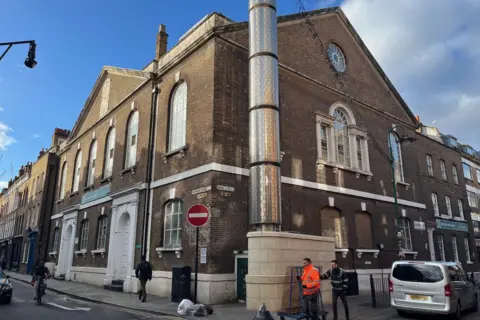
pixel 336 58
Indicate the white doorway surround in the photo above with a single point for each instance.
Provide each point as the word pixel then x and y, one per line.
pixel 121 249
pixel 67 243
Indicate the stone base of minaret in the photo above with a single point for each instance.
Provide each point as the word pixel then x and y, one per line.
pixel 271 257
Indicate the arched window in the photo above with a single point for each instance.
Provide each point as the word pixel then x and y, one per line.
pixel 63 181
pixel 76 171
pixel 342 143
pixel 56 239
pixel 84 226
pixel 131 141
pixel 404 225
pixel 173 211
pixel 92 157
pixel 109 152
pixel 178 118
pixel 397 157
pixel 102 229
pixel 363 228
pixel 333 226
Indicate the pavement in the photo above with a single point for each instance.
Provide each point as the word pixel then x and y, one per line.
pixel 56 306
pixel 77 295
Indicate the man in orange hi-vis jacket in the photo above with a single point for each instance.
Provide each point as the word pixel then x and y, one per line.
pixel 311 286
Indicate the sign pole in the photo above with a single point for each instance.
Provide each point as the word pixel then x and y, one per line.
pixel 196 264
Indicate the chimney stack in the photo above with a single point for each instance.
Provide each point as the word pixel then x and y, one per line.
pixel 162 38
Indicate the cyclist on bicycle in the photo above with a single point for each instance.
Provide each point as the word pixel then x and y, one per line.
pixel 40 273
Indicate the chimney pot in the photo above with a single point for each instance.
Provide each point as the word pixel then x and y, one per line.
pixel 162 42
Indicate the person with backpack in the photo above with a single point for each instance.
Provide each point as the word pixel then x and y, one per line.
pixel 143 272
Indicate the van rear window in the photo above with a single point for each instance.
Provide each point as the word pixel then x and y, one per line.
pixel 417 273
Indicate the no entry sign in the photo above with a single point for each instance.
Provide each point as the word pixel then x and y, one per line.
pixel 198 215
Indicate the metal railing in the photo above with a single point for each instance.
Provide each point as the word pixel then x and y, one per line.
pixel 379 289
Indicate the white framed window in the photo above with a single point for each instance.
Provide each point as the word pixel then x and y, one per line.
pixel 478 176
pixel 360 143
pixel 467 249
pixel 455 174
pixel 342 144
pixel 92 158
pixel 441 247
pixel 56 239
pixel 397 157
pixel 173 224
pixel 473 201
pixel 429 165
pixel 448 204
pixel 460 209
pixel 131 143
pixel 406 234
pixel 84 226
pixel 109 153
pixel 443 169
pixel 323 139
pixel 455 248
pixel 102 232
pixel 63 180
pixel 77 169
pixel 435 204
pixel 178 117
pixel 467 173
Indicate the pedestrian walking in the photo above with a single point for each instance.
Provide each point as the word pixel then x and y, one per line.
pixel 143 272
pixel 339 282
pixel 310 281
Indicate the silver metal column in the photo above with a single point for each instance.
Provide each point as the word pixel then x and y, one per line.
pixel 264 131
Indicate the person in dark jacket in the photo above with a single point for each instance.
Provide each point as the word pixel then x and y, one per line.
pixel 339 282
pixel 143 272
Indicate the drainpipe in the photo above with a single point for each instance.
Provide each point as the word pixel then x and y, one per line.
pixel 150 159
pixel 265 212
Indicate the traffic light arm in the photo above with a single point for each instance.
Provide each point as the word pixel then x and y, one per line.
pixel 10 44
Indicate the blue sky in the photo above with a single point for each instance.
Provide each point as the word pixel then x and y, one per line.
pixel 75 41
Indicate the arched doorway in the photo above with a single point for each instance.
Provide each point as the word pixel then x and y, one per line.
pixel 65 251
pixel 122 247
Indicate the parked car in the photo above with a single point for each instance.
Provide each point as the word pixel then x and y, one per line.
pixel 6 289
pixel 431 287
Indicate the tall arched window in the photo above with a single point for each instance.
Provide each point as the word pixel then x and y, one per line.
pixel 92 157
pixel 56 239
pixel 131 141
pixel 397 157
pixel 404 225
pixel 333 226
pixel 363 228
pixel 109 152
pixel 102 231
pixel 341 137
pixel 172 235
pixel 178 118
pixel 63 181
pixel 76 171
pixel 84 226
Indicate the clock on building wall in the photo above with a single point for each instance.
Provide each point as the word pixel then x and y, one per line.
pixel 336 57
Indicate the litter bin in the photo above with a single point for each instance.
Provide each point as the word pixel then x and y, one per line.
pixel 181 278
pixel 352 284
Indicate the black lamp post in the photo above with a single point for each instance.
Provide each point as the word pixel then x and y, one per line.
pixel 30 60
pixel 403 139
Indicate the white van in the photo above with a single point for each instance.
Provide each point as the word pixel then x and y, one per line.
pixel 431 287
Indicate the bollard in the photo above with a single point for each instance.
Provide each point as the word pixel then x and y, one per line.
pixel 263 314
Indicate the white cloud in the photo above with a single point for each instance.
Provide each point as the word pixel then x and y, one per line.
pixel 3 184
pixel 36 136
pixel 1 109
pixel 5 138
pixel 430 51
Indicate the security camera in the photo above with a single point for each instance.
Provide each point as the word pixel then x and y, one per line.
pixel 30 60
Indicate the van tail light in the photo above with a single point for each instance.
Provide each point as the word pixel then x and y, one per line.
pixel 390 285
pixel 448 290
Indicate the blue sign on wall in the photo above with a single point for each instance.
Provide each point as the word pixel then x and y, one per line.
pixel 96 194
pixel 452 225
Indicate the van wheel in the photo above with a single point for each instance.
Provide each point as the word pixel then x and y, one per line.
pixel 402 314
pixel 475 306
pixel 458 312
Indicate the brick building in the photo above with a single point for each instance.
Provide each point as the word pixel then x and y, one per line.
pixel 26 209
pixel 187 112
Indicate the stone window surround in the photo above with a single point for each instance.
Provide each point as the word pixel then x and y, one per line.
pixel 353 132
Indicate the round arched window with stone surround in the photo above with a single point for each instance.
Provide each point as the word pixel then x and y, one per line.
pixel 337 58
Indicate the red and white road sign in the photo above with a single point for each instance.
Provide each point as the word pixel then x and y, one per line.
pixel 198 215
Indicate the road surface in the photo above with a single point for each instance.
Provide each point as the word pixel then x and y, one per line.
pixel 55 306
